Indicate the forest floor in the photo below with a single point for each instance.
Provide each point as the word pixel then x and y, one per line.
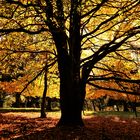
pixel 28 126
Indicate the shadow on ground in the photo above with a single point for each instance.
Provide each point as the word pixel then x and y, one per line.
pixel 13 127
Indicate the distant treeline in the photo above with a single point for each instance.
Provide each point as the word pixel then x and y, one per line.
pixel 20 101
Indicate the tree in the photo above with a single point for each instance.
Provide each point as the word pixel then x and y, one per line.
pixel 43 111
pixel 43 107
pixel 76 27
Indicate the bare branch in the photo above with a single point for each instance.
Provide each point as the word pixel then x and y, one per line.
pixel 34 78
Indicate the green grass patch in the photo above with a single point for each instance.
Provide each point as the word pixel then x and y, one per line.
pixel 112 113
pixel 19 109
pixel 4 110
pixel 118 113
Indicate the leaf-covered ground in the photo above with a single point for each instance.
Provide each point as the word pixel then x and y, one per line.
pixel 28 126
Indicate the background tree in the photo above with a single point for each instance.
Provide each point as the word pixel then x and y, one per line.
pixel 77 27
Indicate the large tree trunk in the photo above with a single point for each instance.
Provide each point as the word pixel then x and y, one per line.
pixel 72 88
pixel 72 91
pixel 71 103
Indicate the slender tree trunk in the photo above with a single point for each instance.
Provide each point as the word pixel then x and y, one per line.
pixel 43 103
pixel 125 109
pixel 49 102
pixel 18 100
pixel 94 106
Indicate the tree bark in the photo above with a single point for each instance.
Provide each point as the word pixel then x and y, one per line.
pixel 49 101
pixel 18 100
pixel 72 92
pixel 72 88
pixel 71 103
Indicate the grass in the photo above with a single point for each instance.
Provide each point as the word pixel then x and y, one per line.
pixel 86 113
pixel 19 109
pixel 112 113
pixel 2 110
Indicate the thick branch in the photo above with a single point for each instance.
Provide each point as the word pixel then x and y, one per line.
pixel 6 31
pixel 28 51
pixel 113 89
pixel 114 78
